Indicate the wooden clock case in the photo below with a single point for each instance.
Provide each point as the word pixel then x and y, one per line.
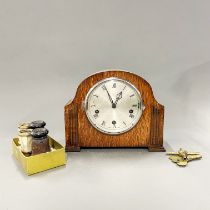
pixel 148 132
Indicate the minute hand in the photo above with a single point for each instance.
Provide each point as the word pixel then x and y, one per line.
pixel 110 98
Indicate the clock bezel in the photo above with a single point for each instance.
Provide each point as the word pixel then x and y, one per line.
pixel 104 81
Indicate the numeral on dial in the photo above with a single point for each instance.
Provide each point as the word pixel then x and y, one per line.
pixel 114 123
pixel 131 115
pixel 114 85
pixel 95 115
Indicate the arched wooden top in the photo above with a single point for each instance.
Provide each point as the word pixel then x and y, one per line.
pixel 141 84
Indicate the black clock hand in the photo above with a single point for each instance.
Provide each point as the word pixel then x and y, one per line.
pixel 110 98
pixel 118 97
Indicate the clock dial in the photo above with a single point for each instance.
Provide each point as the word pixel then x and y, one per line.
pixel 113 106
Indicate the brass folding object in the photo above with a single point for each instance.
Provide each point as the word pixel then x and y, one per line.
pixel 182 157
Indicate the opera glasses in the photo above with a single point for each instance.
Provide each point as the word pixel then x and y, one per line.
pixel 33 138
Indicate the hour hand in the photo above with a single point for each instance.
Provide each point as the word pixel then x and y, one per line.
pixel 118 97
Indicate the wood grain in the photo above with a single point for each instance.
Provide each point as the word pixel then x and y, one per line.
pixel 148 132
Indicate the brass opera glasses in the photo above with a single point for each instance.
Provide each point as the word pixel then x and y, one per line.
pixel 182 157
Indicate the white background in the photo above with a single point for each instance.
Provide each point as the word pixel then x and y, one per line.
pixel 48 47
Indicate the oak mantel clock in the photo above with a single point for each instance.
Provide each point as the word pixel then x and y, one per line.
pixel 114 109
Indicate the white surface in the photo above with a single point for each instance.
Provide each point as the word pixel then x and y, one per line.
pixel 48 47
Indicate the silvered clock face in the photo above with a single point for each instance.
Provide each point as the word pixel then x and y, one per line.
pixel 113 106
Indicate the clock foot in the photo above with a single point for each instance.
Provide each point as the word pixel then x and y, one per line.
pixel 156 149
pixel 72 149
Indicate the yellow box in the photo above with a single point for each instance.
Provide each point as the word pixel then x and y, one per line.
pixel 41 162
